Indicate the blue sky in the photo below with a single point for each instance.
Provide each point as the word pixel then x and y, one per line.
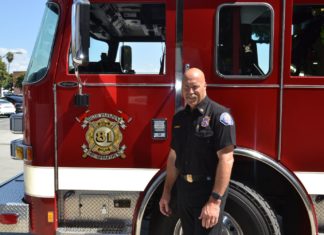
pixel 20 21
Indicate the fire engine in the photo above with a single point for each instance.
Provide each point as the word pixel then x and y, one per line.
pixel 104 82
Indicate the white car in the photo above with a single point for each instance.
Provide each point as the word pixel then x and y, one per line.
pixel 6 108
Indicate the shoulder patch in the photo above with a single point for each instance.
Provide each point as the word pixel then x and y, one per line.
pixel 226 119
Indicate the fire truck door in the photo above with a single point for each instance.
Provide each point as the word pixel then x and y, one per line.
pixel 129 81
pixel 303 91
pixel 237 45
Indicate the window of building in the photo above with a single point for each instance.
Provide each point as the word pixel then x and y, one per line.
pixel 244 41
pixel 307 54
pixel 126 38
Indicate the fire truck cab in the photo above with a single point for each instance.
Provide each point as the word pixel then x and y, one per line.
pixel 104 82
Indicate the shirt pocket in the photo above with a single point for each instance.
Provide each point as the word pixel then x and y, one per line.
pixel 204 133
pixel 204 136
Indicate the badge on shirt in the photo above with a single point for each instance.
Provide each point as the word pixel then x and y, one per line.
pixel 205 121
pixel 226 119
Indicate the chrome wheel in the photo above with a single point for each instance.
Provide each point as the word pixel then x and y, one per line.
pixel 178 228
pixel 246 212
pixel 230 226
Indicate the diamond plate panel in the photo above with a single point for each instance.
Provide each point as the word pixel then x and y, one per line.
pixel 111 212
pixel 12 193
pixel 319 208
pixel 23 220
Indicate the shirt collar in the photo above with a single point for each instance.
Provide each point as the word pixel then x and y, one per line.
pixel 201 107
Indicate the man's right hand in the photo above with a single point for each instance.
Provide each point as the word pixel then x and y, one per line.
pixel 172 174
pixel 164 204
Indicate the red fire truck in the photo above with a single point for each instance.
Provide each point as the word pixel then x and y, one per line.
pixel 104 82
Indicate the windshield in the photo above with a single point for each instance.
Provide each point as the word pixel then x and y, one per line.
pixel 42 52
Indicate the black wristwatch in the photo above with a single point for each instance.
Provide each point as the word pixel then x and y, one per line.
pixel 216 196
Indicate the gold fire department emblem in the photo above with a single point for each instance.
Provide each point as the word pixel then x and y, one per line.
pixel 104 136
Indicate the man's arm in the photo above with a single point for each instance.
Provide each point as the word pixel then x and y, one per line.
pixel 172 174
pixel 210 212
pixel 224 169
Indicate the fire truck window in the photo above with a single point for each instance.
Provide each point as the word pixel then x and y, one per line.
pixel 101 49
pixel 145 63
pixel 42 52
pixel 243 41
pixel 126 38
pixel 307 55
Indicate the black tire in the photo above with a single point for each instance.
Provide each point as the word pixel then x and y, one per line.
pixel 246 213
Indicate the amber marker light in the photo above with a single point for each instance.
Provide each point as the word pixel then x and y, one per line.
pixel 50 216
pixel 19 152
pixel 29 153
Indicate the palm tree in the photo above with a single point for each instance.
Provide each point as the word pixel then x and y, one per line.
pixel 9 57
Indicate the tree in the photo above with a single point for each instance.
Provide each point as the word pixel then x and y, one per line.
pixel 19 81
pixel 9 57
pixel 7 83
pixel 4 76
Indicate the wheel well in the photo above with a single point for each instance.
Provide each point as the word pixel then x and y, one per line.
pixel 150 206
pixel 269 181
pixel 278 192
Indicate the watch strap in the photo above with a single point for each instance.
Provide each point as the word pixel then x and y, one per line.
pixel 216 196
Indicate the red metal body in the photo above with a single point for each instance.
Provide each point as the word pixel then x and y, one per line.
pixel 279 116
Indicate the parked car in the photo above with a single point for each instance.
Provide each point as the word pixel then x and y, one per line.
pixel 6 108
pixel 4 92
pixel 16 100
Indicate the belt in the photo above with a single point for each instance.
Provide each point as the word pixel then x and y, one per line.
pixel 195 178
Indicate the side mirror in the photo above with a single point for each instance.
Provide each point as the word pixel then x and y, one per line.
pixel 126 59
pixel 80 32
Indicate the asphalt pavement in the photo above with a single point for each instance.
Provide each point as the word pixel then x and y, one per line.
pixel 8 167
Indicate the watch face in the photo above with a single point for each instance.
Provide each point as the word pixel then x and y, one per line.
pixel 216 196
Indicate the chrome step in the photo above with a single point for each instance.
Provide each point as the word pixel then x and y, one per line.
pixel 91 231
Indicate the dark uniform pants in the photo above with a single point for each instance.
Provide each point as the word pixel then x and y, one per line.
pixel 191 198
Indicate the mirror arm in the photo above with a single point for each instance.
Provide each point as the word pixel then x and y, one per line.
pixel 77 75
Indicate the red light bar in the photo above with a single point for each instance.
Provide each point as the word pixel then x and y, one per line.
pixel 9 218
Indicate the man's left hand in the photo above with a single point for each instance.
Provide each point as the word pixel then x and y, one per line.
pixel 210 213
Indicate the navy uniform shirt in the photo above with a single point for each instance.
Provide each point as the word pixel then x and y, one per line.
pixel 198 134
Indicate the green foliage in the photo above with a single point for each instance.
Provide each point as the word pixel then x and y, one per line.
pixel 2 65
pixel 7 83
pixel 10 57
pixel 19 81
pixel 4 76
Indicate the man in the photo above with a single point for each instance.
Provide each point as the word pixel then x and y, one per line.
pixel 200 160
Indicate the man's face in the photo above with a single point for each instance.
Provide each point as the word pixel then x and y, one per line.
pixel 193 89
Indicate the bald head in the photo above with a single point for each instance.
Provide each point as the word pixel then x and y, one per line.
pixel 193 87
pixel 195 73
